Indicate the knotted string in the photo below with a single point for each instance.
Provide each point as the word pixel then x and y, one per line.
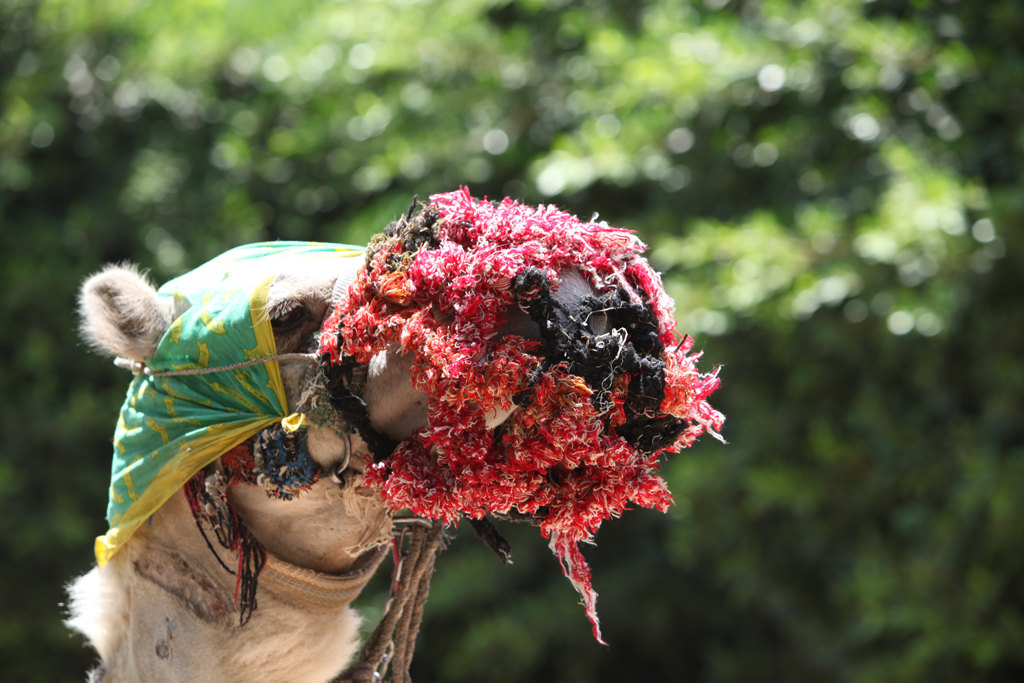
pixel 138 367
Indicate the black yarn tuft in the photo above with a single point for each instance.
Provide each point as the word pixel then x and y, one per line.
pixel 627 345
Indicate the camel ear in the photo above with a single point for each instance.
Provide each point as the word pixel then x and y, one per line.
pixel 122 315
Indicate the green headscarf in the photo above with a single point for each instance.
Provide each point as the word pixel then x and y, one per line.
pixel 172 427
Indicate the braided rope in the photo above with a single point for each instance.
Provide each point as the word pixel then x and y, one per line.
pixel 394 639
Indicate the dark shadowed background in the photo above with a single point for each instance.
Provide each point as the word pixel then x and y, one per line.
pixel 832 189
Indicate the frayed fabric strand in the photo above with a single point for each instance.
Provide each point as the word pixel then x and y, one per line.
pixel 276 460
pixel 602 390
pixel 206 498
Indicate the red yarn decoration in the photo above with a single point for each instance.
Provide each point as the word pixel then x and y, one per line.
pixel 556 457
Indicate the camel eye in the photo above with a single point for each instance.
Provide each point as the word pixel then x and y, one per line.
pixel 288 319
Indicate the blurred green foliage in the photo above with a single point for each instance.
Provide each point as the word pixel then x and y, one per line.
pixel 832 189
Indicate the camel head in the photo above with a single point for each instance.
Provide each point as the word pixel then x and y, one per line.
pixel 123 315
pixel 476 360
